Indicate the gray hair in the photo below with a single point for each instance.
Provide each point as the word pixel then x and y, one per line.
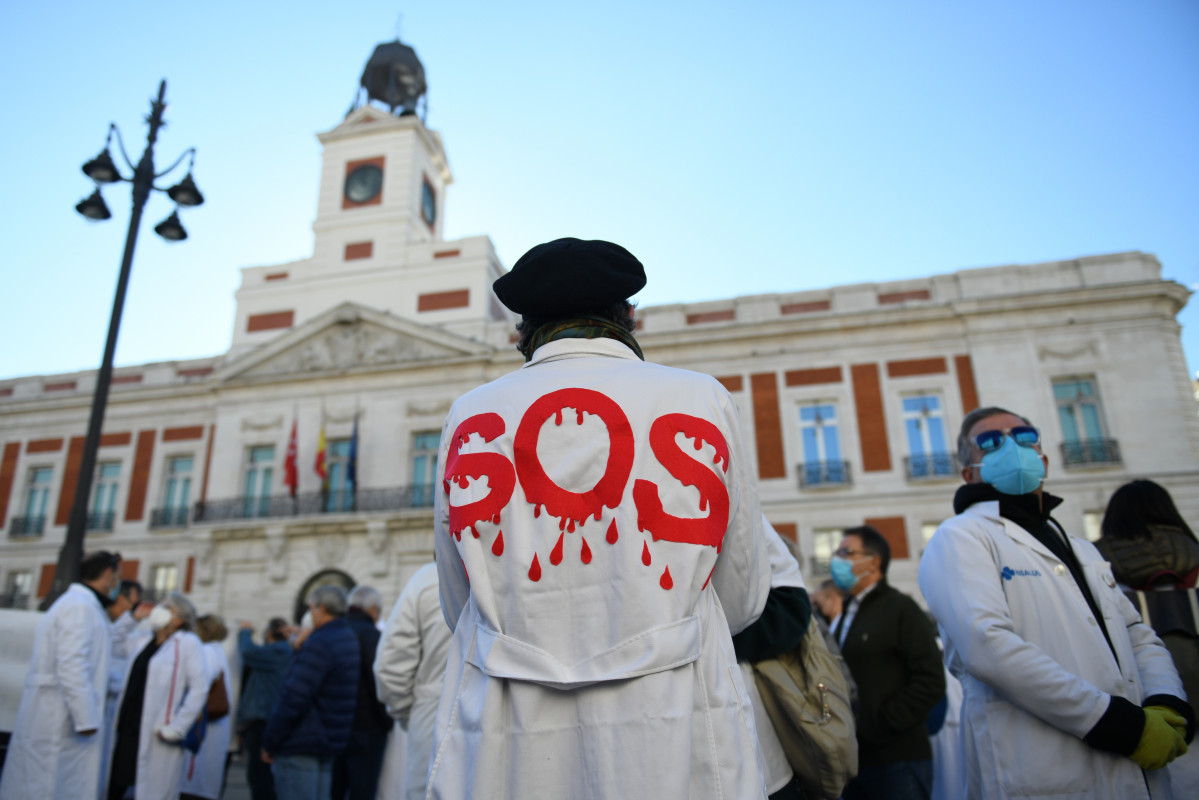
pixel 183 608
pixel 965 443
pixel 330 598
pixel 365 597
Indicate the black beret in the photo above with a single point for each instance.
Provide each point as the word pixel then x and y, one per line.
pixel 570 276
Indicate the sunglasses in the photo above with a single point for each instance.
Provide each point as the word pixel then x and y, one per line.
pixel 1024 435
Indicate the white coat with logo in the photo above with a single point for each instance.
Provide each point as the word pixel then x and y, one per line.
pixel 1035 668
pixel 65 693
pixel 591 656
pixel 176 692
pixel 410 668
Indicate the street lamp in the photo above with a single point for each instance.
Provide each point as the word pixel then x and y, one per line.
pixel 102 169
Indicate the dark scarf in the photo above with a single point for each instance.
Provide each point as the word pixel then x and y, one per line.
pixel 1033 514
pixel 581 328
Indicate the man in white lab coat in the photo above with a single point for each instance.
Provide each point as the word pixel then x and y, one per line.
pixel 1065 691
pixel 593 507
pixel 58 741
pixel 409 668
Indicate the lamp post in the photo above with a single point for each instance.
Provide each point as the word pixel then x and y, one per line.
pixel 101 170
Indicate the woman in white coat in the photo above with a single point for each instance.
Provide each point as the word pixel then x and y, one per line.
pixel 204 772
pixel 166 690
pixel 410 668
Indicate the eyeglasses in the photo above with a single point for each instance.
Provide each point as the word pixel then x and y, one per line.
pixel 1024 435
pixel 845 552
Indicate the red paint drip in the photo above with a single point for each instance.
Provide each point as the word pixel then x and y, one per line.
pixel 558 417
pixel 497 547
pixel 586 554
pixel 495 520
pixel 474 531
pixel 667 582
pixel 703 502
pixel 536 511
pixel 645 559
pixel 699 443
pixel 556 553
pixel 705 586
pixel 570 526
pixel 535 570
pixel 562 524
pixel 613 534
pixel 578 416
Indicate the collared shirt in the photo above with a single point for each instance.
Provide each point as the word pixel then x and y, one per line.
pixel 845 621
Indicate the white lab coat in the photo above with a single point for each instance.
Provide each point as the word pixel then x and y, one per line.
pixel 591 657
pixel 409 669
pixel 65 692
pixel 204 772
pixel 784 572
pixel 176 692
pixel 1035 668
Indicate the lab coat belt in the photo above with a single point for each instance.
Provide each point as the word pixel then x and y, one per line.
pixel 655 650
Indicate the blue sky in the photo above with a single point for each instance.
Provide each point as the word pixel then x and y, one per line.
pixel 735 148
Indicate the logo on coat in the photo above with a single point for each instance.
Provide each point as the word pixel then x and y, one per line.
pixel 1009 573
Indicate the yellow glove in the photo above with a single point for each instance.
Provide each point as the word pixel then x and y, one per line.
pixel 1162 740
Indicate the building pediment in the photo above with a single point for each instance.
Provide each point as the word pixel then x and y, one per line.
pixel 349 337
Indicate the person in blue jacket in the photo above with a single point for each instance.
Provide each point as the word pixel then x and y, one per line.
pixel 267 667
pixel 311 723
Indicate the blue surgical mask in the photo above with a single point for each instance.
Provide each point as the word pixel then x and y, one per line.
pixel 115 593
pixel 1012 468
pixel 842 569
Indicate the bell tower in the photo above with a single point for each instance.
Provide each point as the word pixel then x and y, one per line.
pixel 378 234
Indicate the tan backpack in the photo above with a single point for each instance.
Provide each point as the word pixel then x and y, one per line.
pixel 808 701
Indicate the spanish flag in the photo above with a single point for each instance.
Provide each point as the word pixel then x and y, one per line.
pixel 320 456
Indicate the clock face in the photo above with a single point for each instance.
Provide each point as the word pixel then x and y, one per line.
pixel 428 204
pixel 364 183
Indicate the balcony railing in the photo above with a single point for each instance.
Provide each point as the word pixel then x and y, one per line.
pixel 931 466
pixel 101 522
pixel 315 503
pixel 1091 451
pixel 26 527
pixel 169 517
pixel 18 600
pixel 823 473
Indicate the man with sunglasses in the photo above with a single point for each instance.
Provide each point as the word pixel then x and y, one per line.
pixel 1066 692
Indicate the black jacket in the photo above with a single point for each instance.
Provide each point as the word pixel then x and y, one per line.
pixel 891 650
pixel 370 715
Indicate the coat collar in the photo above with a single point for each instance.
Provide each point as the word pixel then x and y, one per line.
pixel 579 348
pixel 989 510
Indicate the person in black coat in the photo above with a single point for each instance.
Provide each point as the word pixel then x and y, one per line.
pixel 356 771
pixel 891 649
pixel 313 718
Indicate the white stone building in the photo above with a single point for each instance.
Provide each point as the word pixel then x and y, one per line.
pixel 851 397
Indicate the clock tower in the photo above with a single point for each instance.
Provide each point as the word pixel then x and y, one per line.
pixel 378 234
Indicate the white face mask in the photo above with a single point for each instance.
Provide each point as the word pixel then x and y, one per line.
pixel 159 618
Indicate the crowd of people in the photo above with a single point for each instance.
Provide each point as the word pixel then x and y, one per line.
pixel 604 583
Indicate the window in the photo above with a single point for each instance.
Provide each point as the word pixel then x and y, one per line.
pixel 177 494
pixel 20 586
pixel 104 496
pixel 1092 525
pixel 1081 418
pixel 424 467
pixel 822 463
pixel 924 423
pixel 824 543
pixel 164 579
pixel 37 493
pixel 339 489
pixel 259 470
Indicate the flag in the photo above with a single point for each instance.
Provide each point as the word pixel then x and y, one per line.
pixel 352 461
pixel 320 457
pixel 291 473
